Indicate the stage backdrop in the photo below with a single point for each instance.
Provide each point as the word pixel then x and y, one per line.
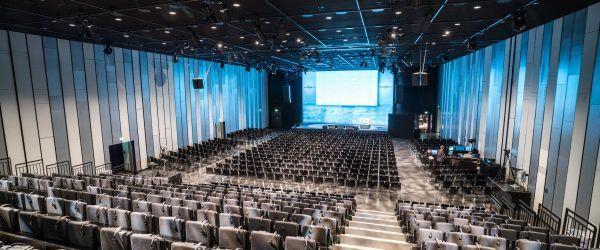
pixel 347 97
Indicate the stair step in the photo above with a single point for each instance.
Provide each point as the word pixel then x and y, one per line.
pixel 384 244
pixel 381 227
pixel 352 247
pixel 374 211
pixel 375 233
pixel 382 216
pixel 392 222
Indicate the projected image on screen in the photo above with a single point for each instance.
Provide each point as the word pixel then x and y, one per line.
pixel 347 88
pixel 347 97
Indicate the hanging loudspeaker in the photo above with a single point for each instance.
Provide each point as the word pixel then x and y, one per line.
pixel 198 83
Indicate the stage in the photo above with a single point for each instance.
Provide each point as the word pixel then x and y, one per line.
pixel 341 126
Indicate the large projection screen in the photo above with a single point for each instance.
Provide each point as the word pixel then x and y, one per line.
pixel 347 97
pixel 347 88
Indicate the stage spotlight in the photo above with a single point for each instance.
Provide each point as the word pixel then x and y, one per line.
pixel 107 49
pixel 519 21
pixel 247 67
pixel 175 58
pixel 471 45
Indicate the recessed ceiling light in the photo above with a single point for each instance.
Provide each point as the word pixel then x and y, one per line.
pixel 477 6
pixel 163 43
pixel 241 37
pixel 125 35
pixel 457 24
pixel 54 21
pixel 118 19
pixel 338 31
pixel 393 35
pixel 298 40
pixel 167 32
pixel 398 12
pixel 328 17
pixel 158 7
pixel 256 42
pixel 213 27
pixel 44 28
pixel 220 45
pixel 433 43
pixel 444 35
pixel 287 34
pixel 236 4
pixel 267 22
pixel 172 13
pixel 377 10
pixel 278 50
pixel 345 40
pixel 447 32
pixel 72 24
pixel 395 27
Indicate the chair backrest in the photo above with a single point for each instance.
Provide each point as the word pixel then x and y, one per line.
pixel 523 244
pixel 264 240
pixel 233 238
pixel 295 242
pixel 439 245
pixel 495 242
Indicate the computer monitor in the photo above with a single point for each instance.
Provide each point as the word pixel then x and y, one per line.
pixel 460 148
pixel 434 152
pixel 451 148
pixel 469 148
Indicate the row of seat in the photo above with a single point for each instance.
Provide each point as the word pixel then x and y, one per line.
pixel 436 226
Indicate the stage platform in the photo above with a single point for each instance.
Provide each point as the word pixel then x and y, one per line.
pixel 341 126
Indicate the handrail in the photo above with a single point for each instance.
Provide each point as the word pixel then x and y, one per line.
pixel 63 168
pixel 5 167
pixel 35 167
pixel 86 168
pixel 526 213
pixel 575 225
pixel 103 169
pixel 547 219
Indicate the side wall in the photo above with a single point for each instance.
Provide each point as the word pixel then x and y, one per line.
pixel 536 94
pixel 64 100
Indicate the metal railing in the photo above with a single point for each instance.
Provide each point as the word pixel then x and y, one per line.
pixel 547 219
pixel 576 225
pixel 5 167
pixel 122 167
pixel 103 169
pixel 525 212
pixel 63 168
pixel 31 167
pixel 86 168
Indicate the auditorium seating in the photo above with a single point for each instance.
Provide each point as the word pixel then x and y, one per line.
pixel 348 158
pixel 136 212
pixel 184 158
pixel 442 226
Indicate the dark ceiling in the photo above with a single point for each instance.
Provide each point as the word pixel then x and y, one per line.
pixel 347 34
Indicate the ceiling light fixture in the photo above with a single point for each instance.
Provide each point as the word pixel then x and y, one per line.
pixel 236 4
pixel 338 31
pixel 125 35
pixel 107 49
pixel 477 6
pixel 328 17
pixel 118 19
pixel 163 43
pixel 398 12
pixel 447 32
pixel 167 32
pixel 213 27
pixel 72 24
pixel 220 45
pixel 298 40
pixel 241 37
pixel 457 24
pixel 172 13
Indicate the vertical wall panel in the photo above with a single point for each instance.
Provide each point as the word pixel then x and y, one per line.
pixel 121 96
pixel 24 90
pixel 8 104
pixel 152 58
pixel 113 97
pixel 579 173
pixel 81 98
pixel 146 101
pixel 139 110
pixel 188 117
pixel 42 103
pixel 171 126
pixel 193 106
pixel 131 111
pixel 70 103
pixel 55 96
pixel 103 102
pixel 93 103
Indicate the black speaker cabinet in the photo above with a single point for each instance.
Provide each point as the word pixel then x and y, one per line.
pixel 198 83
pixel 401 125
